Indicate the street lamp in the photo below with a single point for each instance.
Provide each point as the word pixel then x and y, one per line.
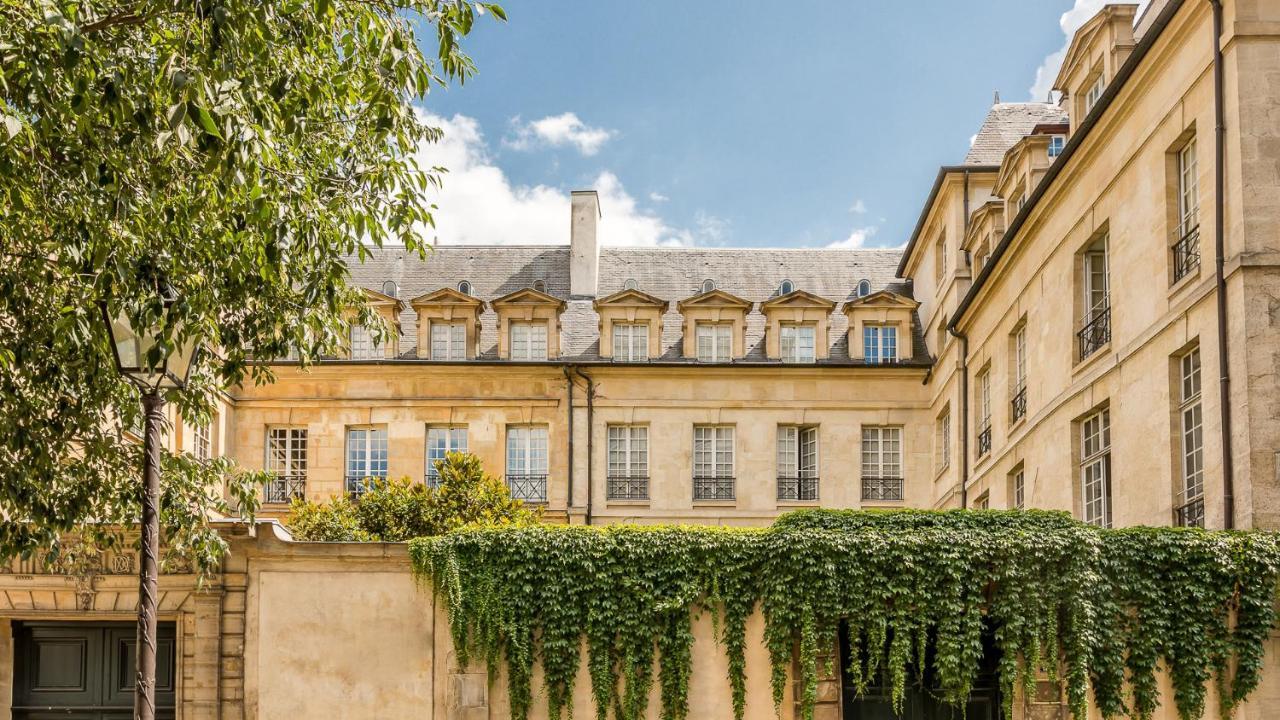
pixel 153 367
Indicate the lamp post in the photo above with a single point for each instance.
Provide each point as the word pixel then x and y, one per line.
pixel 143 359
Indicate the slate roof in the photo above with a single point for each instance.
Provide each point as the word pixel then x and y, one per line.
pixel 1005 125
pixel 672 274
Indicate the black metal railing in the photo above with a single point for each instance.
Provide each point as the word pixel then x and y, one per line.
pixel 1190 514
pixel 984 438
pixel 530 488
pixel 1186 253
pixel 802 487
pixel 881 488
pixel 358 485
pixel 713 487
pixel 284 489
pixel 1018 404
pixel 627 487
pixel 1096 332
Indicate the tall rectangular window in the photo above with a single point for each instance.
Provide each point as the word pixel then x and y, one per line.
pixel 630 342
pixel 1095 468
pixel 362 345
pixel 943 439
pixel 713 452
pixel 880 343
pixel 797 343
pixel 528 341
pixel 441 440
pixel 1018 398
pixel 1094 93
pixel 448 341
pixel 984 412
pixel 715 342
pixel 366 458
pixel 797 462
pixel 940 259
pixel 1019 482
pixel 287 461
pixel 1095 331
pixel 201 440
pixel 527 463
pixel 628 471
pixel 1188 189
pixel 1191 421
pixel 881 463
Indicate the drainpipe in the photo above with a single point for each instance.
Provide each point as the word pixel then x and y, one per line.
pixel 1219 248
pixel 591 411
pixel 568 380
pixel 964 379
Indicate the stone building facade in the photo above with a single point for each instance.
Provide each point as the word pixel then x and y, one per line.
pixel 1052 335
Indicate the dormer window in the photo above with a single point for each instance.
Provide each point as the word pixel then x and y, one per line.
pixel 715 342
pixel 630 284
pixel 1056 144
pixel 464 287
pixel 363 346
pixel 540 285
pixel 630 342
pixel 786 288
pixel 708 285
pixel 1094 93
pixel 389 289
pixel 798 342
pixel 880 343
pixel 528 341
pixel 528 325
pixel 448 341
pixel 864 288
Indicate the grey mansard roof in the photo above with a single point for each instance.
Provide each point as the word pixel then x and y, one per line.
pixel 673 274
pixel 1006 124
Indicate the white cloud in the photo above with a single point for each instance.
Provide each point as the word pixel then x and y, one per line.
pixel 858 207
pixel 557 131
pixel 479 204
pixel 658 197
pixel 1070 21
pixel 857 239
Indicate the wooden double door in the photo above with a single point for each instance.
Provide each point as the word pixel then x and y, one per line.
pixel 85 671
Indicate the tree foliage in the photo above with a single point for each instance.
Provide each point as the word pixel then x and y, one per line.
pixel 1100 609
pixel 399 510
pixel 234 150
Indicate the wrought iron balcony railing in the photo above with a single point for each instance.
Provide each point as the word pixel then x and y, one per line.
pixel 713 487
pixel 627 487
pixel 802 487
pixel 1096 332
pixel 1190 513
pixel 284 489
pixel 984 438
pixel 1186 252
pixel 882 488
pixel 530 488
pixel 1018 404
pixel 358 485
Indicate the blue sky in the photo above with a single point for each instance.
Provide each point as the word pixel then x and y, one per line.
pixel 745 123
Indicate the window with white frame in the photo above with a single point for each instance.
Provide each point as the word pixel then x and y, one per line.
pixel 797 462
pixel 797 343
pixel 202 444
pixel 366 458
pixel 713 451
pixel 1188 189
pixel 287 461
pixel 528 341
pixel 527 463
pixel 363 346
pixel 1191 421
pixel 448 341
pixel 1018 398
pixel 1019 482
pixel 628 470
pixel 881 463
pixel 1095 330
pixel 630 342
pixel 1094 93
pixel 942 431
pixel 1095 468
pixel 880 343
pixel 715 342
pixel 1056 144
pixel 984 412
pixel 442 440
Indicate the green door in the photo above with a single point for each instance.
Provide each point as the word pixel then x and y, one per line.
pixel 84 671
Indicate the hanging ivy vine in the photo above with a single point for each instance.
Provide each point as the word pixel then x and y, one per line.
pixel 1101 609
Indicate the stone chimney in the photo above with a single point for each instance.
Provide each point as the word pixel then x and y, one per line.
pixel 584 244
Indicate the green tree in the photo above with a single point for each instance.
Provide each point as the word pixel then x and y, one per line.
pixel 235 151
pixel 399 510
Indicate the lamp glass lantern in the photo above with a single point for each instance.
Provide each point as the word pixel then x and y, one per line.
pixel 141 358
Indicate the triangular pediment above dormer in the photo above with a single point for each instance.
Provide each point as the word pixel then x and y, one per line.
pixel 529 296
pixel 882 299
pixel 378 299
pixel 631 298
pixel 714 298
pixel 798 299
pixel 447 296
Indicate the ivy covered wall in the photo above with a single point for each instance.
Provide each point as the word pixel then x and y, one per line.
pixel 1101 609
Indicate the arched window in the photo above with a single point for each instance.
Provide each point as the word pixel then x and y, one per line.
pixel 864 288
pixel 630 284
pixel 464 287
pixel 389 288
pixel 540 285
pixel 786 288
pixel 708 285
